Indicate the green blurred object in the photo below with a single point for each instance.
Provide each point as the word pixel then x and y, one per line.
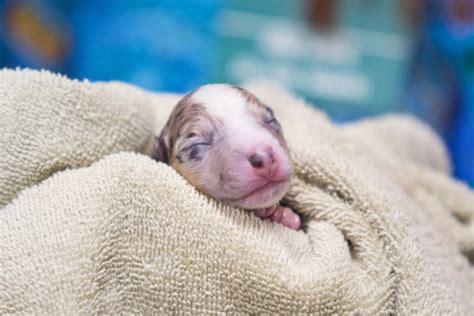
pixel 348 57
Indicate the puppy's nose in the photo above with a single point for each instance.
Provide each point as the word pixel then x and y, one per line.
pixel 263 162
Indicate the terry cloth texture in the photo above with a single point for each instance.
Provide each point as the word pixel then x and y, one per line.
pixel 387 230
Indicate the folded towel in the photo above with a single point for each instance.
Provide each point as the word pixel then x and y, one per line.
pixel 49 123
pixel 386 228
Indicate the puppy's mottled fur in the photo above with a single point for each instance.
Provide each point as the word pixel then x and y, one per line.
pixel 230 146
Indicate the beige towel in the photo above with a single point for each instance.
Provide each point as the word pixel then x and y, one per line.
pixel 387 229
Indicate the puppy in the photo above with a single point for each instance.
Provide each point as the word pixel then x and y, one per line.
pixel 230 146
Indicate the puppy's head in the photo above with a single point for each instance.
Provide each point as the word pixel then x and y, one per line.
pixel 229 145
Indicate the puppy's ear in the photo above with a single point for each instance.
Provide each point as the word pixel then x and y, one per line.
pixel 161 149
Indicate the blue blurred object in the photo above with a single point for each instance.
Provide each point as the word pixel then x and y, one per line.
pixel 441 89
pixel 35 34
pixel 159 45
pixel 350 58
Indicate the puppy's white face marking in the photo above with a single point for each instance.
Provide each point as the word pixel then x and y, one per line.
pixel 229 145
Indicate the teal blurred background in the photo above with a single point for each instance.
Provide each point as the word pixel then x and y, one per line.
pixel 352 58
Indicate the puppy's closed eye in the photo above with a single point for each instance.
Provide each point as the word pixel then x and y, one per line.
pixel 198 145
pixel 196 151
pixel 273 124
pixel 195 147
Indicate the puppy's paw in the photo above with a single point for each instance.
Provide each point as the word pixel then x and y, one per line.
pixel 280 214
pixel 287 217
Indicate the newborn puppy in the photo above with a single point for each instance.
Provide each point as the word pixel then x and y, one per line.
pixel 230 146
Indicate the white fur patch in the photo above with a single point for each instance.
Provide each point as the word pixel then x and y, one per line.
pixel 229 105
pixel 224 102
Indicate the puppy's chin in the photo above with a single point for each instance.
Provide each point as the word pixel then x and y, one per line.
pixel 263 197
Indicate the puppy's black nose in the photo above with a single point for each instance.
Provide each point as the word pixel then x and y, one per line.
pixel 263 160
pixel 257 160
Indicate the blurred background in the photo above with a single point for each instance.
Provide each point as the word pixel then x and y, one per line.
pixel 352 58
